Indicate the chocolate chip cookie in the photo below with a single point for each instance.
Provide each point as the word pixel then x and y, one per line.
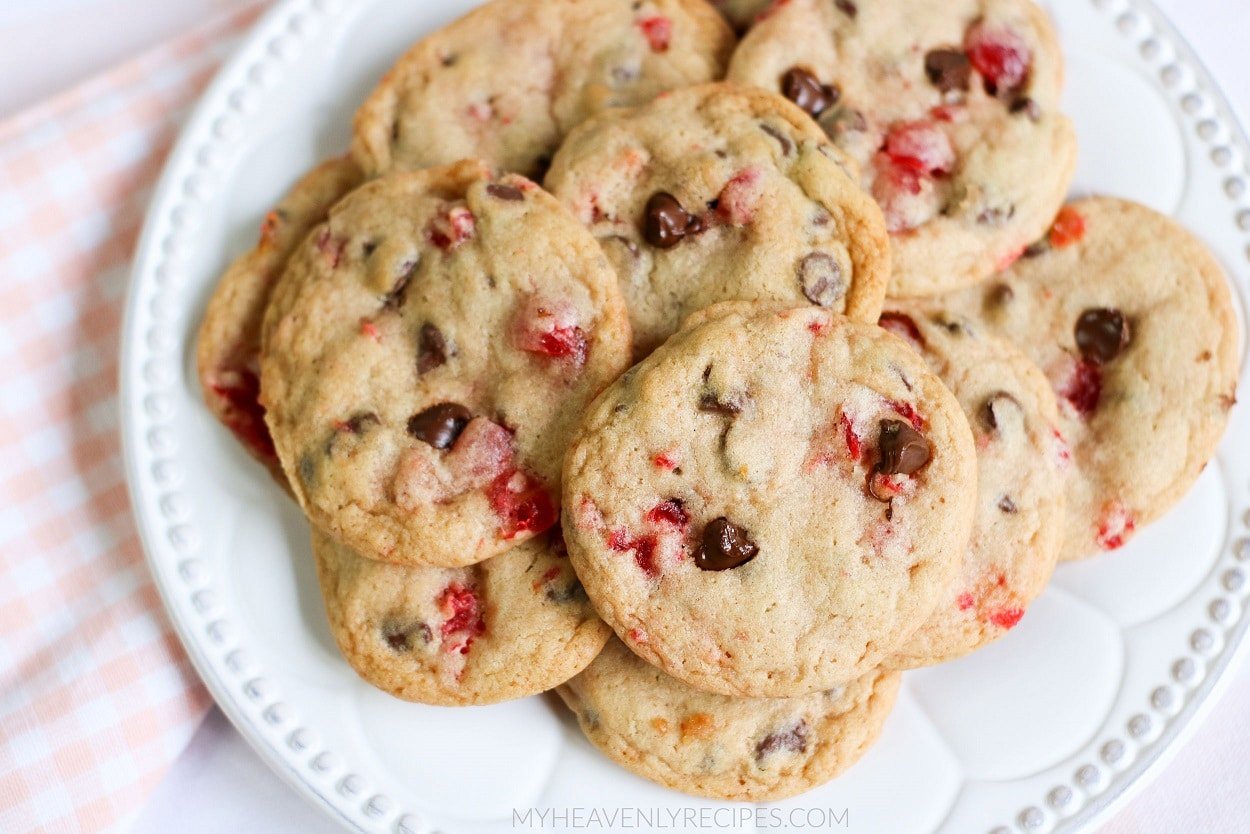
pixel 1131 319
pixel 425 357
pixel 722 192
pixel 507 81
pixel 228 345
pixel 515 625
pixel 1021 468
pixel 951 109
pixel 751 749
pixel 772 502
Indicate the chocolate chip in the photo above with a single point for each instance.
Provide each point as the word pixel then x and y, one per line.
pixel 401 638
pixel 667 223
pixel 431 349
pixel 505 192
pixel 713 403
pixel 395 298
pixel 804 89
pixel 902 449
pixel 996 408
pixel 787 146
pixel 847 7
pixel 793 739
pixel 1027 106
pixel 1007 505
pixel 821 278
pixel 1036 250
pixel 1101 334
pixel 1002 294
pixel 569 593
pixel 307 469
pixel 725 545
pixel 368 248
pixel 948 69
pixel 996 215
pixel 439 425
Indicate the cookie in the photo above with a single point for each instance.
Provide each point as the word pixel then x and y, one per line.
pixel 515 625
pixel 951 109
pixel 722 192
pixel 750 749
pixel 425 357
pixel 1018 525
pixel 1131 319
pixel 507 81
pixel 228 345
pixel 772 502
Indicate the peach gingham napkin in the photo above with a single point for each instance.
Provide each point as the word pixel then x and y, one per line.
pixel 96 695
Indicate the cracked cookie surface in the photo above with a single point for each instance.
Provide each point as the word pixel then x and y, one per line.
pixel 507 81
pixel 1131 319
pixel 951 109
pixel 425 356
pixel 772 502
pixel 722 192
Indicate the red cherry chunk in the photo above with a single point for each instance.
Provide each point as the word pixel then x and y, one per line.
pixel 1084 387
pixel 658 31
pixel 1068 229
pixel 1000 55
pixel 521 503
pixel 550 329
pixel 245 416
pixel 465 621
pixel 670 511
pixel 452 228
pixel 921 147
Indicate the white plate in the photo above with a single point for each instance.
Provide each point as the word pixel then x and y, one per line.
pixel 1043 731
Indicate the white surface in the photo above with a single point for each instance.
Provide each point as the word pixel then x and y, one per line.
pixel 220 785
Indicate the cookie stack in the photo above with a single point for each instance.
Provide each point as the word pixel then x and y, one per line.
pixel 882 379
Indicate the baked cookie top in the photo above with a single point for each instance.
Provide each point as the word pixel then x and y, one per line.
pixel 1131 319
pixel 228 345
pixel 772 502
pixel 951 109
pixel 512 626
pixel 425 357
pixel 751 749
pixel 505 82
pixel 1021 471
pixel 722 192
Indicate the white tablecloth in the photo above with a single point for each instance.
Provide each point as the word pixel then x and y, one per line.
pixel 220 785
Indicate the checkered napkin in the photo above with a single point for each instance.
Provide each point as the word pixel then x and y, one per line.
pixel 96 696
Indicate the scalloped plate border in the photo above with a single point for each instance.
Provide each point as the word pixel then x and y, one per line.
pixel 149 365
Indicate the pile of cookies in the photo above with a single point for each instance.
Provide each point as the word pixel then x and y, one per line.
pixel 794 372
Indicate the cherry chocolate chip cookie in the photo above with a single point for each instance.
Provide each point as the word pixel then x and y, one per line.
pixel 228 345
pixel 425 357
pixel 514 625
pixel 1131 319
pixel 748 749
pixel 722 192
pixel 1021 469
pixel 507 81
pixel 772 502
pixel 950 108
